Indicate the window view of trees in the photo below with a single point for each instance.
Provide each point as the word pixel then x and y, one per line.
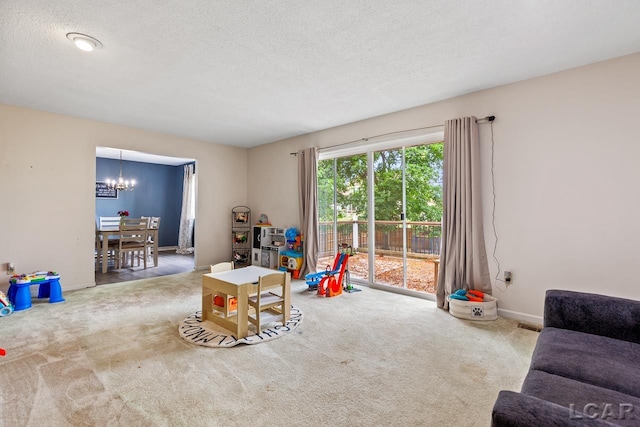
pixel 351 188
pixel 424 182
pixel 424 185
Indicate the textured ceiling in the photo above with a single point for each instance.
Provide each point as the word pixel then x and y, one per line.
pixel 137 156
pixel 250 72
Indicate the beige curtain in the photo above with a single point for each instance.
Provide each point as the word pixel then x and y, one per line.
pixel 463 256
pixel 308 203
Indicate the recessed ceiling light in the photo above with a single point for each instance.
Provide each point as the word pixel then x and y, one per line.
pixel 84 42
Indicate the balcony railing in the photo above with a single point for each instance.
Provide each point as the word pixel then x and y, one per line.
pixel 422 237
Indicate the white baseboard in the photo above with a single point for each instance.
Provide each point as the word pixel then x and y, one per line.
pixel 521 317
pixel 73 287
pixel 167 248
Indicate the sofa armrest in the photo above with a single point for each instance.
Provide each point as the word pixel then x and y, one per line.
pixel 520 410
pixel 603 315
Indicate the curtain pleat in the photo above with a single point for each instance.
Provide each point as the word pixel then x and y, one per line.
pixel 308 207
pixel 463 256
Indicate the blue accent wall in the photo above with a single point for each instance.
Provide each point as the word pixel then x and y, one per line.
pixel 158 192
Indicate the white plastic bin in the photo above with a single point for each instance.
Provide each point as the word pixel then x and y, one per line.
pixel 470 310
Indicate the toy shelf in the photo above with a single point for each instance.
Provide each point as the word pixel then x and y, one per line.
pixel 227 309
pixel 241 236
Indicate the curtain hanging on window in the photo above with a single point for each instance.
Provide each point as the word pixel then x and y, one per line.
pixel 188 215
pixel 308 205
pixel 463 256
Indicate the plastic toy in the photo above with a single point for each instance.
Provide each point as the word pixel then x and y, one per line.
pixel 468 295
pixel 291 234
pixel 6 308
pixel 347 286
pixel 2 352
pixel 329 287
pixel 291 261
pixel 219 301
pixel 19 293
pixel 325 281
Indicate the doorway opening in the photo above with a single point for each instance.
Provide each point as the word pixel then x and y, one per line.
pixel 158 193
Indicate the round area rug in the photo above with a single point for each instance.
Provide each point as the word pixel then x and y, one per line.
pixel 208 334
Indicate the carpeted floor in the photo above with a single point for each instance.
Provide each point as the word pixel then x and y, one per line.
pixel 111 355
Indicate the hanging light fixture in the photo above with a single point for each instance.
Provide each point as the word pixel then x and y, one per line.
pixel 121 184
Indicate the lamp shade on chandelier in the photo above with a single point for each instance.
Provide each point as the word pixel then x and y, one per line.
pixel 121 183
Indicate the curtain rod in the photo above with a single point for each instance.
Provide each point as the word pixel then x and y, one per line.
pixel 486 119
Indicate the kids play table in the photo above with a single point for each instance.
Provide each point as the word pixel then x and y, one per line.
pixel 19 293
pixel 235 283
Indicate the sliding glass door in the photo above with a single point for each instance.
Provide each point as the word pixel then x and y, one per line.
pixel 384 207
pixel 389 206
pixel 342 202
pixel 423 215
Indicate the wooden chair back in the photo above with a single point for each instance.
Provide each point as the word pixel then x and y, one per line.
pixel 133 238
pixel 108 222
pixel 154 222
pixel 153 226
pixel 222 266
pixel 268 301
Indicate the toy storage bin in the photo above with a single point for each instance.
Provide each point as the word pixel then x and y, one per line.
pixel 470 310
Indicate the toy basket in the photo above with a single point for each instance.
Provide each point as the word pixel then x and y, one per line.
pixel 470 310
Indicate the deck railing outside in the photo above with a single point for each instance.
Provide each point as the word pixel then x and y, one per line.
pixel 422 237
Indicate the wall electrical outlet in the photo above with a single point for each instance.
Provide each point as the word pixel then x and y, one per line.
pixel 508 279
pixel 11 268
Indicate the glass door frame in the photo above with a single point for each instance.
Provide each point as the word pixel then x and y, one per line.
pixel 411 138
pixel 372 219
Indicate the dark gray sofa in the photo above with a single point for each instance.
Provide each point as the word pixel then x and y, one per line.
pixel 585 368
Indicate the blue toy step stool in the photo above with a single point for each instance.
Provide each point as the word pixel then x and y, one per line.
pixel 20 296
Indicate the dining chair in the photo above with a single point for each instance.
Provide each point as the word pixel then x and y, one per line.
pixel 154 222
pixel 133 239
pixel 268 301
pixel 107 223
pixel 152 238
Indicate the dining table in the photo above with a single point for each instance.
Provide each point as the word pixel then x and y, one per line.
pixel 102 242
pixel 235 284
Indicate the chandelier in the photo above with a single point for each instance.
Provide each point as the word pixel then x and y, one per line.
pixel 121 184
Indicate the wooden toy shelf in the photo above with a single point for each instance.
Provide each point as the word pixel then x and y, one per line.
pixel 241 236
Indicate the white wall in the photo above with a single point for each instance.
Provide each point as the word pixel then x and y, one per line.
pixel 566 177
pixel 47 196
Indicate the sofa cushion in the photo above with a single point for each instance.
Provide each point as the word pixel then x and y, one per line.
pixel 585 401
pixel 593 359
pixel 603 315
